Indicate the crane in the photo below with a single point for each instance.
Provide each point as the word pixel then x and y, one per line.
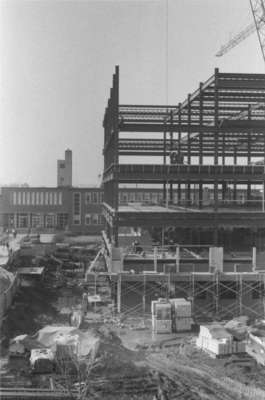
pixel 258 11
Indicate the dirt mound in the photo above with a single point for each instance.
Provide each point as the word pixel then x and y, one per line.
pixel 112 358
pixel 32 309
pixel 238 327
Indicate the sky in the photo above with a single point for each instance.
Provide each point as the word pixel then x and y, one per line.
pixel 56 64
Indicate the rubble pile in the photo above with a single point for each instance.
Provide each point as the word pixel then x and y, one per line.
pixel 112 358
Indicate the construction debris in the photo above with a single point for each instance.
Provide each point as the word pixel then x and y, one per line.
pixel 217 341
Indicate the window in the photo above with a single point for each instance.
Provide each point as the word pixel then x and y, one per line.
pixel 124 197
pixel 60 198
pixel 46 198
pixel 94 219
pixel 36 221
pixel 101 197
pixel 101 219
pixel 139 196
pixel 77 203
pixel 22 220
pixel 19 198
pixel 50 221
pixel 95 197
pixel 62 165
pixel 132 196
pixel 160 197
pixel 77 208
pixel 88 198
pixel 88 219
pixel 51 198
pixel 14 198
pixel 147 196
pixel 62 220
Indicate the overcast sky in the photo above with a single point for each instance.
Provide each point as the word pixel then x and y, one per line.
pixel 57 60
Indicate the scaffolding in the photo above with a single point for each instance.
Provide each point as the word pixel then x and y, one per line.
pixel 213 296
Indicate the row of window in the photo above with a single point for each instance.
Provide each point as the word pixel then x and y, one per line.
pixel 94 219
pixel 50 220
pixel 154 197
pixel 38 220
pixel 37 198
pixel 93 197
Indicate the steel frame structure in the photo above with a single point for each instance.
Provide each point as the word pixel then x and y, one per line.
pixel 223 119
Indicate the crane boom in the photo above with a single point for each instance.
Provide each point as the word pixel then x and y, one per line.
pixel 239 37
pixel 258 11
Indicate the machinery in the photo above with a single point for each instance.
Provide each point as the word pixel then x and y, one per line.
pixel 258 11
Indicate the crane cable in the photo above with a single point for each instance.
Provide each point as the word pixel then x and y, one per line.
pixel 166 51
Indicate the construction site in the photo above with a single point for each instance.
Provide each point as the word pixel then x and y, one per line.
pixel 169 301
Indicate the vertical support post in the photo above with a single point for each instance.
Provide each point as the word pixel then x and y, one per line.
pixel 249 156
pixel 240 294
pixel 144 299
pixel 95 292
pixel 201 143
pixel 155 259
pixel 179 193
pixel 179 150
pixel 235 186
pixel 119 294
pixel 254 258
pixel 223 191
pixel 217 294
pixel 177 258
pixel 193 294
pixel 201 126
pixel 200 195
pixel 216 132
pixel 164 163
pixel 189 148
pixel 168 286
pixel 115 110
pixel 163 237
pixel 171 149
pixel 223 150
pixel 263 199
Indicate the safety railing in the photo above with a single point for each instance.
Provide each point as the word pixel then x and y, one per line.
pixel 254 204
pixel 176 169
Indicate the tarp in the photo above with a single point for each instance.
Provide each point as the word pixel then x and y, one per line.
pixel 50 336
pixel 22 343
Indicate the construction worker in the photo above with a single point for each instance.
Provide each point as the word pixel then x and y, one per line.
pixel 84 303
